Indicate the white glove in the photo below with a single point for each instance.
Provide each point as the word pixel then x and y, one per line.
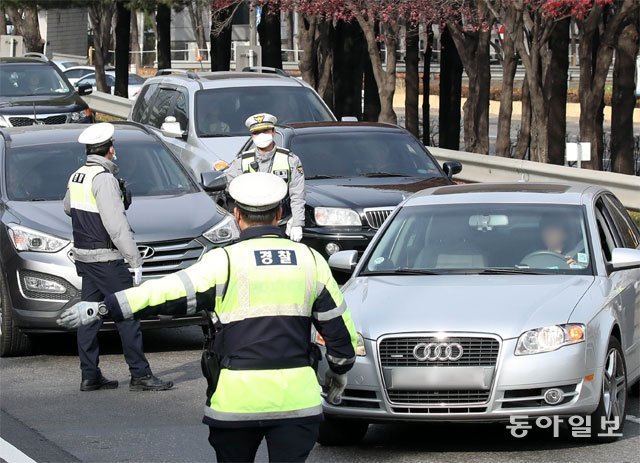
pixel 81 313
pixel 336 385
pixel 295 234
pixel 137 276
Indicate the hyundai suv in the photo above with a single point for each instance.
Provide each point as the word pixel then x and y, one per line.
pixel 201 116
pixel 174 221
pixel 33 91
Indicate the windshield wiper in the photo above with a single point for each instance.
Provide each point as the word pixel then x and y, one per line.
pixel 509 271
pixel 38 199
pixel 322 176
pixel 382 174
pixel 403 271
pixel 214 135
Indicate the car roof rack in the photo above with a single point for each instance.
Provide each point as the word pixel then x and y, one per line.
pixel 266 70
pixel 33 54
pixel 169 71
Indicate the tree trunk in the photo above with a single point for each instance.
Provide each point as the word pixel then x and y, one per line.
pixel 3 21
pixel 135 41
pixel 385 79
pixel 450 93
pixel 371 110
pixel 221 41
pixel 270 37
pixel 325 37
pixel 288 41
pixel 308 61
pixel 623 99
pixel 426 87
pixel 509 65
pixel 196 13
pixel 348 69
pixel 28 27
pixel 163 22
pixel 100 14
pixel 524 135
pixel 556 91
pixel 123 38
pixel 412 79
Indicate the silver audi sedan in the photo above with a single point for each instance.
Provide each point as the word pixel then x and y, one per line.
pixel 494 302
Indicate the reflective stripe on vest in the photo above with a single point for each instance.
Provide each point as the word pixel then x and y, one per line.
pixel 279 167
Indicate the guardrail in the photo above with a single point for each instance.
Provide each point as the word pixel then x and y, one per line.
pixel 483 168
pixel 476 167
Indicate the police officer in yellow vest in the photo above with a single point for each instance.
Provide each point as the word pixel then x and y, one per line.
pixel 267 292
pixel 102 241
pixel 267 157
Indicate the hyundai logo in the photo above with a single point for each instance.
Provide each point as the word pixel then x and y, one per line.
pixel 146 252
pixel 438 352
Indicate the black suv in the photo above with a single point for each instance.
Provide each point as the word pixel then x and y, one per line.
pixel 33 91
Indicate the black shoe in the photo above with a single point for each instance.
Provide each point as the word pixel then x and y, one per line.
pixel 149 383
pixel 98 383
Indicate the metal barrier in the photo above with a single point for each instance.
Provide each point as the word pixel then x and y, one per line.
pixel 476 167
pixel 483 168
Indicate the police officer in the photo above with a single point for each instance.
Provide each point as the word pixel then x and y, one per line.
pixel 102 240
pixel 267 292
pixel 267 157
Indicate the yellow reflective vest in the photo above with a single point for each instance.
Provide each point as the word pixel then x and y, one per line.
pixel 268 292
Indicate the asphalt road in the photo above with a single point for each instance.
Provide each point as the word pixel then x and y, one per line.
pixel 45 416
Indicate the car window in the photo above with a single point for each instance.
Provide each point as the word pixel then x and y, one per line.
pixel 40 173
pixel 161 105
pixel 223 112
pixel 471 238
pixel 135 79
pixel 627 230
pixel 19 79
pixel 356 154
pixel 142 105
pixel 76 73
pixel 88 80
pixel 605 229
pixel 181 109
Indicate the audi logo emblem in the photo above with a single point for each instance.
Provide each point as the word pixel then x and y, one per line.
pixel 146 252
pixel 438 351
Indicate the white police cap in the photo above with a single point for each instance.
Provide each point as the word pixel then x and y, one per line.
pixel 261 121
pixel 258 191
pixel 97 134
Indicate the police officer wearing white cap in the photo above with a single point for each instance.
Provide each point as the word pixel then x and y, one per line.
pixel 267 157
pixel 267 292
pixel 103 240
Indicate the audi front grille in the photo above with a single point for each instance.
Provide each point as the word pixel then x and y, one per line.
pixel 398 352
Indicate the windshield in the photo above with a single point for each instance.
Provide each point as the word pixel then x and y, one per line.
pixel 18 80
pixel 483 238
pixel 223 112
pixel 363 154
pixel 41 173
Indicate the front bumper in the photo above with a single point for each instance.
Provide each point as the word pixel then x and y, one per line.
pixel 515 388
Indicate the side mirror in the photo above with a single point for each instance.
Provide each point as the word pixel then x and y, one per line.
pixel 625 258
pixel 85 89
pixel 170 128
pixel 349 119
pixel 452 168
pixel 213 181
pixel 344 260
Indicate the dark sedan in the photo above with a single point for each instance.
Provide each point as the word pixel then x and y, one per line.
pixel 356 174
pixel 173 219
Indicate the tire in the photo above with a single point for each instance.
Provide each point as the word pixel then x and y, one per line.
pixel 13 341
pixel 335 432
pixel 635 389
pixel 613 394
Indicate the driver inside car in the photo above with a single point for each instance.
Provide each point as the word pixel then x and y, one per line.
pixel 555 236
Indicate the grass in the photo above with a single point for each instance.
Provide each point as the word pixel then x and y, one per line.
pixel 636 217
pixel 106 118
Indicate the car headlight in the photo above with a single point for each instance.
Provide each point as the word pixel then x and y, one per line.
pixel 223 232
pixel 79 116
pixel 336 216
pixel 4 122
pixel 360 349
pixel 549 338
pixel 26 239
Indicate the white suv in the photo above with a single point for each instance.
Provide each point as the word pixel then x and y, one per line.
pixel 211 108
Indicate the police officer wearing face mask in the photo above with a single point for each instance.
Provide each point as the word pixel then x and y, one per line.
pixel 267 157
pixel 267 293
pixel 102 237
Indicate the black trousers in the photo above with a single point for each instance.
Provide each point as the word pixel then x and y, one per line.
pixel 98 280
pixel 285 442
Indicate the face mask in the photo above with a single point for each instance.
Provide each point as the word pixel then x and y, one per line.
pixel 114 158
pixel 262 140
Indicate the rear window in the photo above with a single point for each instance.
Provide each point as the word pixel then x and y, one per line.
pixel 223 112
pixel 20 79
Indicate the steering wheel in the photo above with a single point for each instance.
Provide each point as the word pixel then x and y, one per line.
pixel 545 259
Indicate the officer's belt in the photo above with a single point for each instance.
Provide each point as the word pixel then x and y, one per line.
pixel 95 245
pixel 264 364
